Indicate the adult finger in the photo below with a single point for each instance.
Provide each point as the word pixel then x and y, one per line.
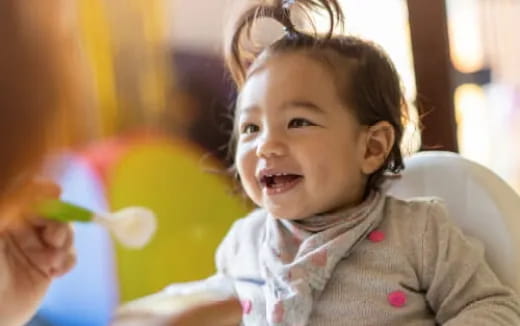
pixel 45 188
pixel 66 263
pixel 55 234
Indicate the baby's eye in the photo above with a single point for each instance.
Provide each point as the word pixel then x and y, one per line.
pixel 250 128
pixel 300 122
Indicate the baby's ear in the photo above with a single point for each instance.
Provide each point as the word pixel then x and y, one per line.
pixel 380 139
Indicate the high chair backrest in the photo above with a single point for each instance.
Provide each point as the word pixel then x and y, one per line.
pixel 478 201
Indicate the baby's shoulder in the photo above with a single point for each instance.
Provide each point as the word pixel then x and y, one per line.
pixel 412 216
pixel 413 208
pixel 243 237
pixel 251 224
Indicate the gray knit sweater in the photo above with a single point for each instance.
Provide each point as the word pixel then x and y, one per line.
pixel 417 269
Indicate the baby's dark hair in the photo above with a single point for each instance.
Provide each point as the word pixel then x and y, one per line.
pixel 367 79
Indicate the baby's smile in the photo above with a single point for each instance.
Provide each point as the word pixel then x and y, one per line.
pixel 275 183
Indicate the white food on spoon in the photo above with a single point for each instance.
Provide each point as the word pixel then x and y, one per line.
pixel 133 227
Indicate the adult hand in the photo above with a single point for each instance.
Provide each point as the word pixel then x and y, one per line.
pixel 33 251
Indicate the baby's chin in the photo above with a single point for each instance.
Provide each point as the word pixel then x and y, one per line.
pixel 288 213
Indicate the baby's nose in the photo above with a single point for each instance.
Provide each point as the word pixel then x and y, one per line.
pixel 271 145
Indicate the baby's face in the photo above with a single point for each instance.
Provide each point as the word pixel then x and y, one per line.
pixel 299 149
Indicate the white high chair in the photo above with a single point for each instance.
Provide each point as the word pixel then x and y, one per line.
pixel 478 201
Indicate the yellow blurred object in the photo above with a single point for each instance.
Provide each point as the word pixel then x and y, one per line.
pixel 125 43
pixel 98 49
pixel 194 208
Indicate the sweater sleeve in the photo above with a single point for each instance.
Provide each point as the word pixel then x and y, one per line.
pixel 226 248
pixel 460 286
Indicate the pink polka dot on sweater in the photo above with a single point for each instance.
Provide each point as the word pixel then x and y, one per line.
pixel 295 273
pixel 320 258
pixel 397 299
pixel 296 241
pixel 278 312
pixel 247 306
pixel 376 236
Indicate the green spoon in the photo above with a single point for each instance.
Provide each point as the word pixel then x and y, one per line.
pixel 133 227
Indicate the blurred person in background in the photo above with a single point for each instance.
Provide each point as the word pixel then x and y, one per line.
pixel 33 251
pixel 37 98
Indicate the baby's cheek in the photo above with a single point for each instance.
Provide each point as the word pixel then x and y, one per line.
pixel 246 169
pixel 244 159
pixel 321 174
pixel 254 192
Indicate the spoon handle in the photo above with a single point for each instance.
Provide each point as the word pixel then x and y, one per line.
pixel 62 211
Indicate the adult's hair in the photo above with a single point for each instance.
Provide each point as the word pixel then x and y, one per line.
pixel 34 86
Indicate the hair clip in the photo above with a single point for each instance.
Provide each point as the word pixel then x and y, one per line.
pixel 291 33
pixel 286 4
pixel 284 17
